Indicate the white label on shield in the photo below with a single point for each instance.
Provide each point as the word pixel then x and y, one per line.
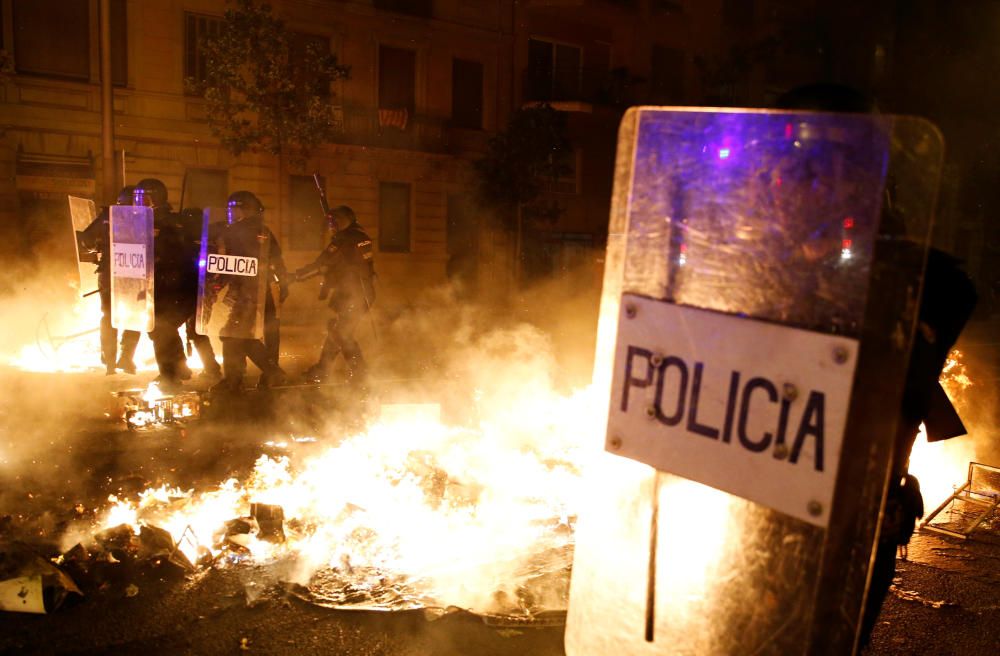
pixel 751 408
pixel 234 265
pixel 129 260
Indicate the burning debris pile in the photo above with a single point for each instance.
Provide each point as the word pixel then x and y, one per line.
pixel 151 409
pixel 410 514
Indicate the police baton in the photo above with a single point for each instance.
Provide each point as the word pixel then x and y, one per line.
pixel 323 203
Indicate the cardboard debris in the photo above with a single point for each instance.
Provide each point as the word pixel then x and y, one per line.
pixel 270 519
pixel 31 584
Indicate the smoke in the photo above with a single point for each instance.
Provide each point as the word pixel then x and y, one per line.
pixel 496 474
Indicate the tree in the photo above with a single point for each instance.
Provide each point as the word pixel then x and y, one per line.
pixel 263 91
pixel 520 164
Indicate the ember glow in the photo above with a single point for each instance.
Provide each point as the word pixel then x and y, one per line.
pixel 463 516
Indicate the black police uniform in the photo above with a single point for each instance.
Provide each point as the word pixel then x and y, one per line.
pixel 190 221
pixel 96 238
pixel 946 304
pixel 173 302
pixel 347 266
pixel 244 238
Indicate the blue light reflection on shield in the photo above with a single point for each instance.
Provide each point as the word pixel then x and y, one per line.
pixel 743 212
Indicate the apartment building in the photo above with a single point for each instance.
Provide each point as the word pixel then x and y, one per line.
pixel 430 81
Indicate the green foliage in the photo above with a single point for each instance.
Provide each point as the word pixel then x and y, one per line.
pixel 264 93
pixel 523 161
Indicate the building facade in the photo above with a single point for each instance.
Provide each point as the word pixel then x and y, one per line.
pixel 430 81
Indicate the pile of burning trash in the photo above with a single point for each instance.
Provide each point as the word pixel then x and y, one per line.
pixel 410 514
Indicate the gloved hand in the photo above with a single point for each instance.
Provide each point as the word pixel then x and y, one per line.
pixel 282 293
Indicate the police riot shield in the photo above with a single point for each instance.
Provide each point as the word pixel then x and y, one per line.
pixel 131 253
pixel 232 279
pixel 759 301
pixel 82 213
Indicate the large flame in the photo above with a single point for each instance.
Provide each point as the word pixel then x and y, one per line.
pixel 457 513
pixel 942 466
pixel 67 340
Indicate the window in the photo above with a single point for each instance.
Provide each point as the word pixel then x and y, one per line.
pixel 204 188
pixel 298 45
pixel 394 217
pixel 196 28
pixel 307 225
pixel 554 70
pixel 466 94
pixel 397 72
pixel 666 75
pixel 52 37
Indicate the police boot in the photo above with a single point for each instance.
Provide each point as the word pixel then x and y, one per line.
pixel 168 385
pixel 318 373
pixel 126 365
pixel 227 386
pixel 210 374
pixel 274 378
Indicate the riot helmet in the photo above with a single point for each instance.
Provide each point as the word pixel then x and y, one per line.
pixel 150 192
pixel 341 217
pixel 125 195
pixel 242 205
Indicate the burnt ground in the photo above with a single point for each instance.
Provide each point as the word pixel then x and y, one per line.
pixel 59 459
pixel 945 598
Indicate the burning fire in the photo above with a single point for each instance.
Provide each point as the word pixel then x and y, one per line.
pixel 67 339
pixel 464 516
pixel 942 466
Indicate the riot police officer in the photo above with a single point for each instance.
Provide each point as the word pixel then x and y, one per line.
pixel 96 238
pixel 172 304
pixel 348 271
pixel 190 221
pixel 243 238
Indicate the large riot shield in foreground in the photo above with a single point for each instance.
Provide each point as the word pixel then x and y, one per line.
pixel 232 279
pixel 82 213
pixel 759 301
pixel 131 252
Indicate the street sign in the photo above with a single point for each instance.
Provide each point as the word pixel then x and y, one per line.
pixel 765 423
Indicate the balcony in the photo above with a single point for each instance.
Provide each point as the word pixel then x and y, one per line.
pixel 362 127
pixel 577 87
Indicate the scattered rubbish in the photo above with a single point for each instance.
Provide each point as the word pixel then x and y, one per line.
pixel 270 519
pixel 31 584
pixel 157 545
pixel 913 595
pixel 22 594
pixel 151 409
pixel 132 590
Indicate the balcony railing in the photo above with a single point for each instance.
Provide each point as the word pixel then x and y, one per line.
pixel 362 127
